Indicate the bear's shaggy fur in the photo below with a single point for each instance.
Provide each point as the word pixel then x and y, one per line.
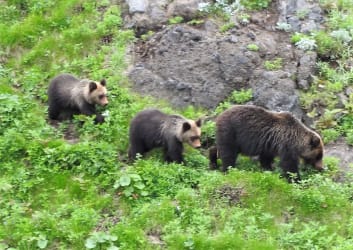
pixel 151 128
pixel 68 96
pixel 254 131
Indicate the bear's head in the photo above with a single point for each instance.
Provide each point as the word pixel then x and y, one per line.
pixel 313 151
pixel 98 93
pixel 191 133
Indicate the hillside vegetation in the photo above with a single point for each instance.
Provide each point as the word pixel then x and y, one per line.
pixel 86 195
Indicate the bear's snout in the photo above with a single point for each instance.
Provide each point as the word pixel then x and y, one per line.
pixel 195 143
pixel 319 166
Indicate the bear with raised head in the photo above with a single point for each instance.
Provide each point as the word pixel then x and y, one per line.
pixel 151 128
pixel 68 96
pixel 255 131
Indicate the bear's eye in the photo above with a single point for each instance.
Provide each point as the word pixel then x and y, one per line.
pixel 101 96
pixel 194 138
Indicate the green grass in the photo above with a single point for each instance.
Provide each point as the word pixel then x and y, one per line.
pixel 59 195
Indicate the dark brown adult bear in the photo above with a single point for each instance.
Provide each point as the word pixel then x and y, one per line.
pixel 254 131
pixel 151 128
pixel 68 96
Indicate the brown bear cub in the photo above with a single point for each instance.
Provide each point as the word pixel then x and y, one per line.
pixel 151 128
pixel 254 131
pixel 68 96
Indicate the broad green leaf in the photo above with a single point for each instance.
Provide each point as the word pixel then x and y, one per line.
pixel 144 193
pixel 139 185
pixel 42 243
pixel 90 243
pixel 135 177
pixel 116 184
pixel 125 180
pixel 113 248
pixel 128 191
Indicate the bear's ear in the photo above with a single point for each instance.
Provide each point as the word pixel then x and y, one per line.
pixel 199 123
pixel 186 126
pixel 314 141
pixel 92 86
pixel 103 82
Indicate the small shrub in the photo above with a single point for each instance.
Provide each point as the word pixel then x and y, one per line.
pixel 284 26
pixel 101 239
pixel 195 22
pixel 243 18
pixel 227 27
pixel 275 64
pixel 252 47
pixel 296 37
pixel 131 185
pixel 241 96
pixel 176 20
pixel 330 135
pixel 306 44
pixel 301 14
pixel 255 5
pixel 342 35
pixel 224 8
pixel 327 46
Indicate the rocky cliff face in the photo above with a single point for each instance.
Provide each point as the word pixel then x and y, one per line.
pixel 198 65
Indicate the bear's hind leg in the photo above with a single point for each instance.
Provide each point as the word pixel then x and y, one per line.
pixel 212 155
pixel 228 155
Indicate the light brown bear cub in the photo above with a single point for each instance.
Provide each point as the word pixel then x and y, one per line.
pixel 254 131
pixel 151 128
pixel 68 96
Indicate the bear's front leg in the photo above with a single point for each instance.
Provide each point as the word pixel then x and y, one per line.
pixel 90 110
pixel 289 164
pixel 174 152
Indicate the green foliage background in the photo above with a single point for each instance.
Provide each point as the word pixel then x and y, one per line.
pixel 85 195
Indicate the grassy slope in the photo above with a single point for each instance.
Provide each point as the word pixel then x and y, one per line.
pixel 63 196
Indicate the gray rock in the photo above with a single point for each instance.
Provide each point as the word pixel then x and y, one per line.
pixel 275 91
pixel 306 68
pixel 303 15
pixel 137 6
pixel 198 68
pixel 187 9
pixel 341 150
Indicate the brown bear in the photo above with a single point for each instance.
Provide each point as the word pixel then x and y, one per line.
pixel 151 128
pixel 255 131
pixel 68 96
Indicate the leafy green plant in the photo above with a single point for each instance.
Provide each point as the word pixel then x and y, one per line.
pixel 241 96
pixel 306 44
pixel 296 37
pixel 302 14
pixel 147 35
pixel 227 26
pixel 195 22
pixel 101 239
pixel 131 185
pixel 176 20
pixel 330 135
pixel 274 64
pixel 221 7
pixel 284 26
pixel 243 18
pixel 252 47
pixel 255 4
